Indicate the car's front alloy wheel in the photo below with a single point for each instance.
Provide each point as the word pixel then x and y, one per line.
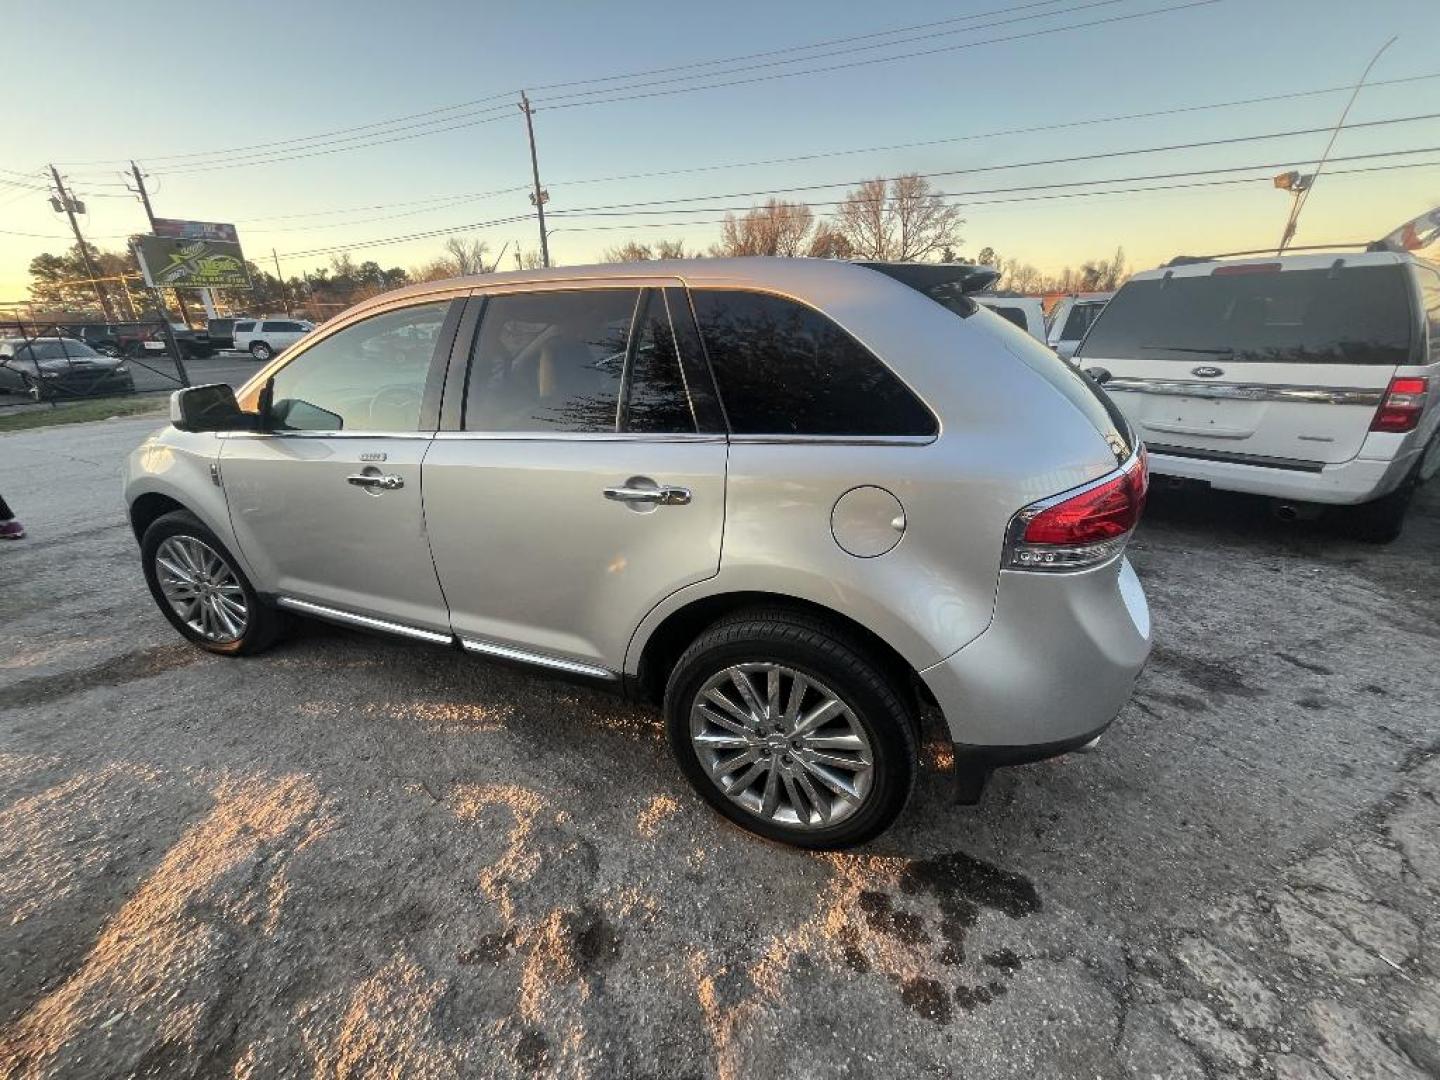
pixel 781 745
pixel 261 351
pixel 202 588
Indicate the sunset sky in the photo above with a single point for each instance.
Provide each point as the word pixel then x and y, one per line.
pixel 192 92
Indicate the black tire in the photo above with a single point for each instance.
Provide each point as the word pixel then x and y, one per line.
pixel 264 623
pixel 1382 520
pixel 819 651
pixel 261 351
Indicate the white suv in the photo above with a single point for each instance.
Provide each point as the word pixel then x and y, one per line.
pixel 1308 378
pixel 1071 318
pixel 263 338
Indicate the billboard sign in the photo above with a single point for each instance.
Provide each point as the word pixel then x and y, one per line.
pixel 176 229
pixel 170 263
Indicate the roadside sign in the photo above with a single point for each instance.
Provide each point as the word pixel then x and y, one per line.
pixel 179 229
pixel 170 263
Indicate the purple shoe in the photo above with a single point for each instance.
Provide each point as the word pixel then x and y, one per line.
pixel 11 530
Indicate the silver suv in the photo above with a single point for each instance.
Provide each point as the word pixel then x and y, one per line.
pixel 793 501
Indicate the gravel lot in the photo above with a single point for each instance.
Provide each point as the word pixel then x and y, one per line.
pixel 358 857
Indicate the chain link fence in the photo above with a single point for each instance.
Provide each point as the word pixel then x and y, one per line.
pixel 52 363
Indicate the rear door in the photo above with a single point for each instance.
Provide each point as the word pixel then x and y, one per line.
pixel 583 478
pixel 1273 363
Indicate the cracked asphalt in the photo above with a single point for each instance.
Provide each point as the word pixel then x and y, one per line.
pixel 354 856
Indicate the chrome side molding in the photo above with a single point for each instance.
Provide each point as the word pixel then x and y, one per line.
pixel 320 611
pixel 525 656
pixel 1319 395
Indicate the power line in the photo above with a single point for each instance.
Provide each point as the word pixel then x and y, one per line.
pixel 1032 130
pixel 1099 156
pixel 967 196
pixel 462 106
pixel 203 164
pixel 589 212
pixel 440 202
pixel 879 60
pixel 690 76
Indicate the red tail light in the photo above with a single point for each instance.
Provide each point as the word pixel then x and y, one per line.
pixel 1403 403
pixel 1079 529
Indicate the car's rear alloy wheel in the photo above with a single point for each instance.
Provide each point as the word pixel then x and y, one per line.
pixel 793 728
pixel 202 588
pixel 782 745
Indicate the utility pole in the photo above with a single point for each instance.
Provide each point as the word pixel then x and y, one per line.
pixel 539 196
pixel 65 200
pixel 139 189
pixel 284 292
pixel 1302 194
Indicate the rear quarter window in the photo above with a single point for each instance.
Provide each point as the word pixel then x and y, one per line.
pixel 786 369
pixel 1345 315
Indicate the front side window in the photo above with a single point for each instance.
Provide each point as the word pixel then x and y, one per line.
pixel 785 369
pixel 367 377
pixel 244 327
pixel 549 361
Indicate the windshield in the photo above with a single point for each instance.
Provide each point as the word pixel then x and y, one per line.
pixel 1349 315
pixel 55 350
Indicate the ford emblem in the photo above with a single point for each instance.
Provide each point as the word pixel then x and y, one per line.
pixel 1206 371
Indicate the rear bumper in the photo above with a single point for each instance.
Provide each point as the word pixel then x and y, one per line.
pixel 1057 663
pixel 1356 481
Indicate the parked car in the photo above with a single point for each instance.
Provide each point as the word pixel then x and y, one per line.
pixel 137 340
pixel 789 500
pixel 1071 318
pixel 263 338
pixel 1308 378
pixel 104 338
pixel 49 368
pixel 1026 312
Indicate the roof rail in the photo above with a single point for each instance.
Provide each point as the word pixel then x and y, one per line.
pixel 1361 245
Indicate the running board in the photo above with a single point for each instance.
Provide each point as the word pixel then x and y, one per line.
pixel 525 656
pixel 484 648
pixel 349 618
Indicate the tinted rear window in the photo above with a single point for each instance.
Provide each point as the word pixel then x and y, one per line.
pixel 1354 315
pixel 1011 315
pixel 786 369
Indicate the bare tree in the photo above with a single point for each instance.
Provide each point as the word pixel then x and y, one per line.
pixel 827 242
pixel 777 228
pixel 630 251
pixel 468 255
pixel 898 220
pixel 634 251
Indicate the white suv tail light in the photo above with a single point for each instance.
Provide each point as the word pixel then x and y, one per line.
pixel 1081 528
pixel 1403 403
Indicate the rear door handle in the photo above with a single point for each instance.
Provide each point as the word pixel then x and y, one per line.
pixel 659 496
pixel 381 481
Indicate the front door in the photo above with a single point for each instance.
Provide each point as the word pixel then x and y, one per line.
pixel 587 482
pixel 327 504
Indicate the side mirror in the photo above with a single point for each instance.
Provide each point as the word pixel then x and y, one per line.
pixel 1099 374
pixel 208 408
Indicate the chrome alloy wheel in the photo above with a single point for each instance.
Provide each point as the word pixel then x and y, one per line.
pixel 202 589
pixel 782 745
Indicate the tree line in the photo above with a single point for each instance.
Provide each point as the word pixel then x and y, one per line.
pixel 900 220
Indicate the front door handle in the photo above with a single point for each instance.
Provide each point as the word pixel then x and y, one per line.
pixel 376 481
pixel 658 496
